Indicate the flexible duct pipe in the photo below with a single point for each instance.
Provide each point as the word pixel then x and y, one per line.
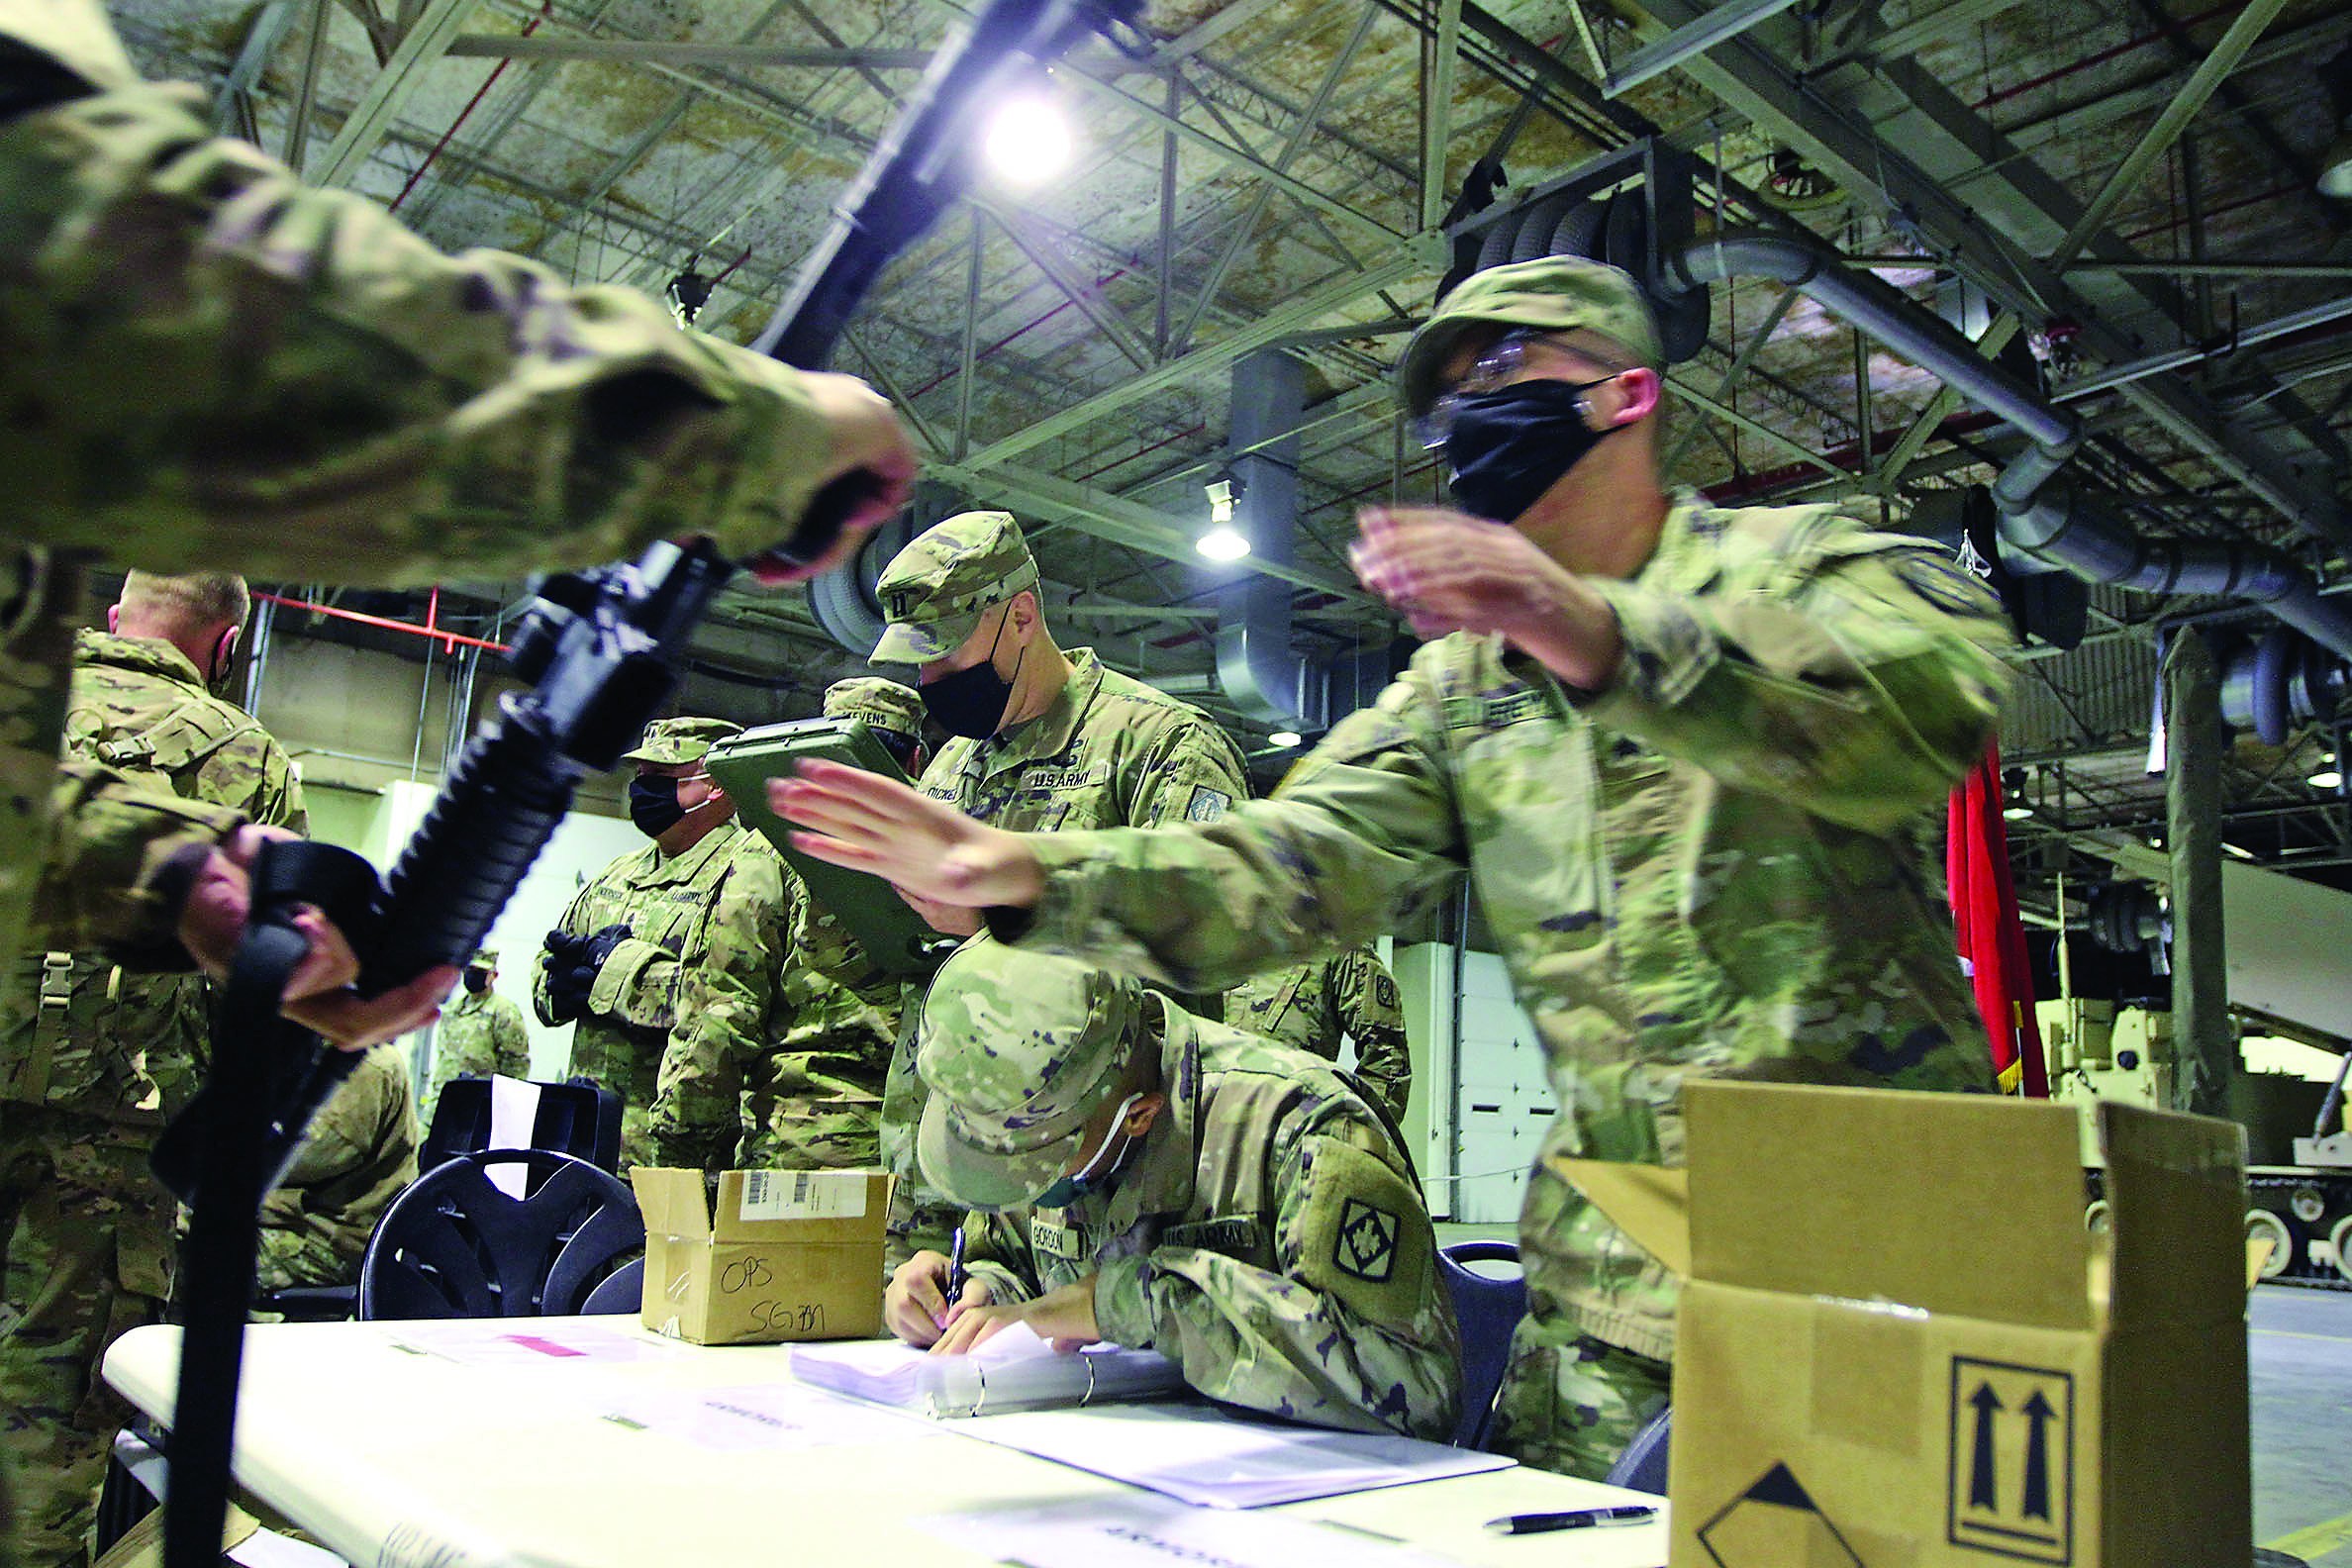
pixel 2092 545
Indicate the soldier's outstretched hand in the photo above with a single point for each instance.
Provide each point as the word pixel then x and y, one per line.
pixel 1448 571
pixel 926 848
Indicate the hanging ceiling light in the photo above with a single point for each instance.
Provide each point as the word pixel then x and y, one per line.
pixel 2335 164
pixel 1285 740
pixel 2013 793
pixel 1223 542
pixel 1027 141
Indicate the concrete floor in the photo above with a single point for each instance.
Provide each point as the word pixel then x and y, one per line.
pixel 2300 1358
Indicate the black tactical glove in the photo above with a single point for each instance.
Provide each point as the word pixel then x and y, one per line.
pixel 571 963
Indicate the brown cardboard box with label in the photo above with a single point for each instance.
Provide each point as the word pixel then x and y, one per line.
pixel 780 1254
pixel 1898 1347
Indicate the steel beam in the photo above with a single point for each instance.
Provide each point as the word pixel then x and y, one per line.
pixel 1718 24
pixel 1111 93
pixel 1292 146
pixel 363 128
pixel 269 28
pixel 1336 295
pixel 661 51
pixel 2244 31
pixel 1444 48
pixel 1753 83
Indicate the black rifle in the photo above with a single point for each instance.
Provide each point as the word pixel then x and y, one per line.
pixel 602 649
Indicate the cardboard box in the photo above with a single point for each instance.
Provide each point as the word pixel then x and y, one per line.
pixel 780 1255
pixel 1899 1346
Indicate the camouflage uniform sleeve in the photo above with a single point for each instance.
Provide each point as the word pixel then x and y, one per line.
pixel 726 1014
pixel 1352 1328
pixel 509 1043
pixel 318 393
pixel 996 1250
pixel 1363 832
pixel 1193 773
pixel 637 984
pixel 1365 994
pixel 1863 692
pixel 106 880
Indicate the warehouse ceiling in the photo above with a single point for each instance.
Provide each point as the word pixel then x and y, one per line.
pixel 2122 192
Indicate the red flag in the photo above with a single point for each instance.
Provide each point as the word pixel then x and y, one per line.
pixel 1991 937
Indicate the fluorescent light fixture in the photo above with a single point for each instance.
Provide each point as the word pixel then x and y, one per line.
pixel 1027 141
pixel 2239 851
pixel 1284 739
pixel 2327 780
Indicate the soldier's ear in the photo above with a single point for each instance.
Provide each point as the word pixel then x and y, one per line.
pixel 1146 1110
pixel 114 618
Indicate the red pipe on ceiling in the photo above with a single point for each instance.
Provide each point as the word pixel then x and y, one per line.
pixel 450 641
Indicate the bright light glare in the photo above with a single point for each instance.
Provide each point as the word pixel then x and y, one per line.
pixel 2328 780
pixel 1225 542
pixel 1027 141
pixel 1284 739
pixel 2016 813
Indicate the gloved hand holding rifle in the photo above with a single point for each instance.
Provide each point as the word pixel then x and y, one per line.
pixel 602 650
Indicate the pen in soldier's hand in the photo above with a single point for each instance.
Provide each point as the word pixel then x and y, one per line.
pixel 955 1271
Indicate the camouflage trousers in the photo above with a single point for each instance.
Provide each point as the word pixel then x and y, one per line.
pixel 812 1135
pixel 287 1258
pixel 1589 1362
pixel 1574 1408
pixel 87 1236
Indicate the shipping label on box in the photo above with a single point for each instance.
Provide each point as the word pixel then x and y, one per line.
pixel 1899 1346
pixel 775 1255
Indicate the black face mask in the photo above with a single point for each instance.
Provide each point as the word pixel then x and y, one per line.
pixel 477 981
pixel 972 702
pixel 653 804
pixel 1507 447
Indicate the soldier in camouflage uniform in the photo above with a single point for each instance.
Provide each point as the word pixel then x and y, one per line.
pixel 209 367
pixel 95 1059
pixel 1043 741
pixel 615 962
pixel 480 1033
pixel 815 1099
pixel 1691 759
pixel 1150 1178
pixel 784 1030
pixel 1311 1007
pixel 359 1154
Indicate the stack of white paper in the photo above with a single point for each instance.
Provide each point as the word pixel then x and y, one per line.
pixel 1223 1458
pixel 1015 1371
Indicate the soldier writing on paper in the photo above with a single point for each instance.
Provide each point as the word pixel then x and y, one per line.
pixel 1688 756
pixel 1146 1177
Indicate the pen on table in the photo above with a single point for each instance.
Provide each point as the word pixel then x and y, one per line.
pixel 1574 1518
pixel 955 1270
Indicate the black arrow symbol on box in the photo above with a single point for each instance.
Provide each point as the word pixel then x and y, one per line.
pixel 1980 1475
pixel 2037 1457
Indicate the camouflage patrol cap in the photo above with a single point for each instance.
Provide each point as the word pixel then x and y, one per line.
pixel 877 703
pixel 935 591
pixel 1019 1049
pixel 483 958
pixel 670 741
pixel 1550 294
